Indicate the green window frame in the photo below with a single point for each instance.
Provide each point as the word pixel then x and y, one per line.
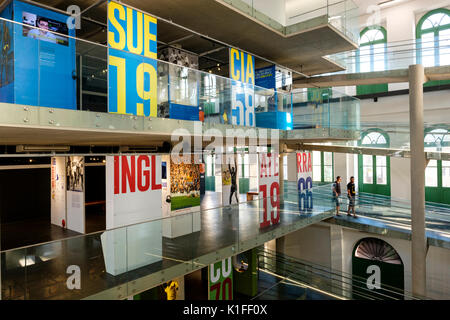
pixel 323 165
pixel 370 42
pixel 374 171
pixel 437 172
pixel 430 52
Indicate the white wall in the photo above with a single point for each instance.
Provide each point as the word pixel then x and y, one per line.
pixel 401 178
pixel 438 273
pixel 311 244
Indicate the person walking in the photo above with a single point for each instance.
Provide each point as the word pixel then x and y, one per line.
pixel 351 194
pixel 336 194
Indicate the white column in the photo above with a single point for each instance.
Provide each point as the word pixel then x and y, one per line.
pixel 419 243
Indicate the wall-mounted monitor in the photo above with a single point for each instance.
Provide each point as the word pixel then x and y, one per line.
pixel 47 28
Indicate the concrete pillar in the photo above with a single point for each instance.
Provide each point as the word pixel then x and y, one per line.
pixel 419 243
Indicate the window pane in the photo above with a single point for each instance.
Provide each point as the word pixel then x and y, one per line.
pixel 364 59
pixel 367 161
pixel 209 166
pixel 428 50
pixel 431 176
pixel 317 173
pixel 446 174
pixel 379 57
pixel 367 169
pixel 328 158
pixel 381 161
pixel 328 173
pixel 316 158
pixel 444 47
pixel 381 175
pixel 381 170
pixel 368 175
pixel 285 167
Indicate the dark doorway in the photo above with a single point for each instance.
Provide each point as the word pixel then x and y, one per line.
pixel 95 197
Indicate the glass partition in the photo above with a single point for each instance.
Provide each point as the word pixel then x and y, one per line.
pixel 80 79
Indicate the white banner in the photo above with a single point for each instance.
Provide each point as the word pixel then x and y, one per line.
pixel 133 189
pixel 133 196
pixel 305 180
pixel 269 189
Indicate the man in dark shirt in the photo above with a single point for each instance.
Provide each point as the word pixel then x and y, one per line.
pixel 351 194
pixel 336 194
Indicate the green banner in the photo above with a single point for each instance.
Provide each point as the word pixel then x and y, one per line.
pixel 220 278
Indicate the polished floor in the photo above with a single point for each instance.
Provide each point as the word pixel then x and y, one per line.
pixel 29 232
pixel 35 231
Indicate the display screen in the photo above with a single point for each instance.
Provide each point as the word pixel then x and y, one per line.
pixel 46 30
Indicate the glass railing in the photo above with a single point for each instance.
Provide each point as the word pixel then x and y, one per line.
pixel 395 55
pixel 388 209
pixel 399 137
pixel 121 262
pixel 287 19
pixel 325 108
pixel 335 284
pixel 72 73
pixel 342 15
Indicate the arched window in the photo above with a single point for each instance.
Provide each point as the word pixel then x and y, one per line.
pixel 433 35
pixel 378 270
pixel 372 56
pixel 437 173
pixel 377 250
pixel 374 171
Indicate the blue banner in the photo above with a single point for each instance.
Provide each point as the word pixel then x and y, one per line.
pixel 265 77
